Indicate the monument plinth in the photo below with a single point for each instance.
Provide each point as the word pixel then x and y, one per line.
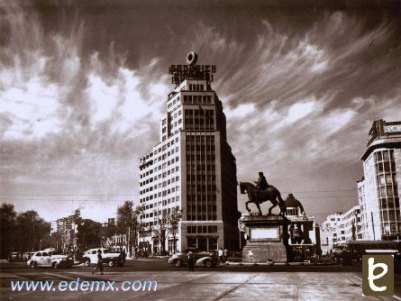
pixel 267 238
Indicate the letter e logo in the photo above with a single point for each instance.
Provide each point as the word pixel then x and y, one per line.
pixel 378 275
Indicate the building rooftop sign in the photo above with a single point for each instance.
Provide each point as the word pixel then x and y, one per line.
pixel 191 70
pixel 392 128
pixel 382 128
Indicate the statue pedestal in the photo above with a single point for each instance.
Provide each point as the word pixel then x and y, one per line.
pixel 265 239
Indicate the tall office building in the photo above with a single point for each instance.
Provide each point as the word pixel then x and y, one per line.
pixel 378 191
pixel 191 169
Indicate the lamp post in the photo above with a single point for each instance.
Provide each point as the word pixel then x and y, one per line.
pixel 129 241
pixel 162 235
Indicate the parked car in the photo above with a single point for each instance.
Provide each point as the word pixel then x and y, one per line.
pixel 43 258
pixel 14 256
pixel 110 258
pixel 337 255
pixel 202 258
pixel 27 255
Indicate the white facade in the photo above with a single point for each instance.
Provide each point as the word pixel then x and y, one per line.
pixel 349 226
pixel 378 191
pixel 328 231
pixel 339 228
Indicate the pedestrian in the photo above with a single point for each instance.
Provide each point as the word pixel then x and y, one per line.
pixel 191 261
pixel 99 264
pixel 220 253
pixel 122 256
pixel 225 255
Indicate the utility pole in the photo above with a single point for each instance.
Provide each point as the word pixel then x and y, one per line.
pixel 129 241
pixel 373 226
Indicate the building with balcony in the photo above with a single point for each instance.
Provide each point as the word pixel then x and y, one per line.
pixel 329 231
pixel 339 228
pixel 191 169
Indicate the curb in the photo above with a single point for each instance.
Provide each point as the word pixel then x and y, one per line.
pixel 232 263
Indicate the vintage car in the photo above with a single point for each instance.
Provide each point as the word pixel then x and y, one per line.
pixel 44 258
pixel 202 258
pixel 338 252
pixel 27 255
pixel 14 256
pixel 110 258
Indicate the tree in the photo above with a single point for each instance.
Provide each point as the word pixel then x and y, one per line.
pixel 88 235
pixel 173 222
pixel 167 223
pixel 7 227
pixel 129 223
pixel 108 231
pixel 31 231
pixel 53 240
pixel 159 230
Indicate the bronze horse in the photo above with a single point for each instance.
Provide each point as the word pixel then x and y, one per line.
pixel 271 194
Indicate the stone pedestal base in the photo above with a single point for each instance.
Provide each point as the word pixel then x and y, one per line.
pixel 265 239
pixel 263 252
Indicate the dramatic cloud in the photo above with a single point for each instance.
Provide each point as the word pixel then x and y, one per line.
pixel 82 93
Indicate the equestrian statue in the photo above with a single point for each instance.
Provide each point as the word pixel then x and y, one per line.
pixel 262 192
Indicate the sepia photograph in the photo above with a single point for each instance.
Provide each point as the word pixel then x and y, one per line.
pixel 217 150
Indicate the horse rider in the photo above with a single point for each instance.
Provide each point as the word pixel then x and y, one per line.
pixel 261 183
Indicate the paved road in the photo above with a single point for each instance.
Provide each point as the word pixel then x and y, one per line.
pixel 158 264
pixel 222 283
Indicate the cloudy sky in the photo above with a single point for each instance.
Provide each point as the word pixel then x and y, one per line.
pixel 83 85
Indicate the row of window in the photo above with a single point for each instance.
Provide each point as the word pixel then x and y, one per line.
pixel 201 126
pixel 200 148
pixel 156 195
pixel 202 139
pixel 200 187
pixel 202 229
pixel 200 157
pixel 173 103
pixel 166 146
pixel 198 168
pixel 146 158
pixel 165 156
pixel 201 177
pixel 211 208
pixel 386 155
pixel 197 99
pixel 390 203
pixel 162 193
pixel 162 175
pixel 163 212
pixel 196 87
pixel 165 174
pixel 390 216
pixel 202 217
pixel 209 197
pixel 385 167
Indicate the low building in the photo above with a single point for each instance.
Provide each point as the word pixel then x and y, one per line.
pixel 67 228
pixel 339 228
pixel 328 232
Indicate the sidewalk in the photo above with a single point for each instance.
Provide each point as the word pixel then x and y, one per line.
pixel 216 286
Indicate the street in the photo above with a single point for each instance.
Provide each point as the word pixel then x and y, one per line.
pixel 219 283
